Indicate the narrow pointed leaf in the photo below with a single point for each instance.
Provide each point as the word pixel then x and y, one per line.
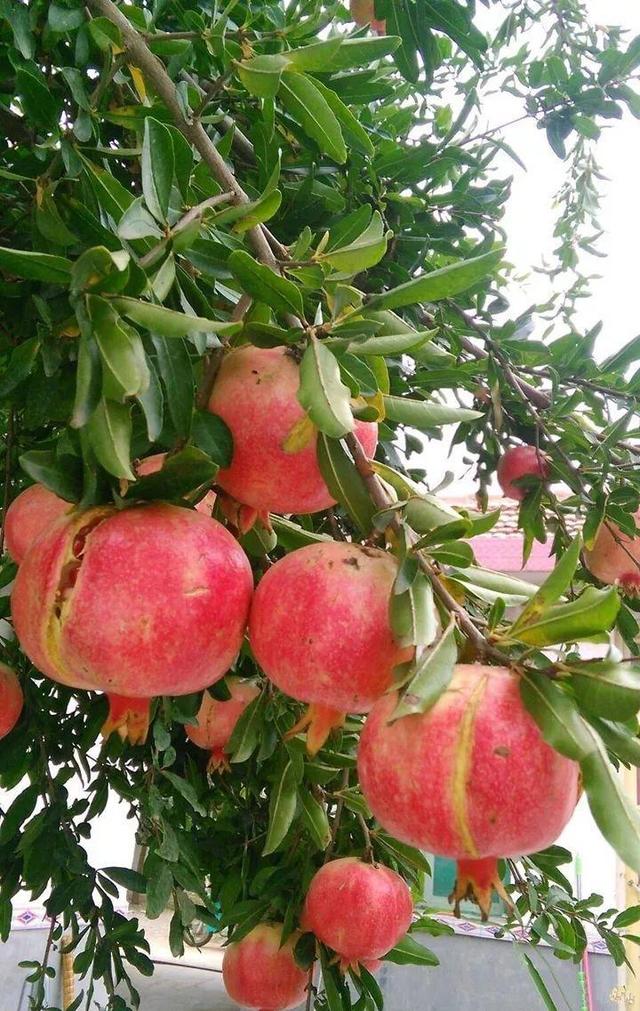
pixel 553 587
pixel 439 284
pixel 110 437
pixel 157 165
pixel 265 285
pixel 282 808
pixel 432 675
pixel 426 414
pixel 322 393
pixel 594 611
pixel 300 97
pixel 344 482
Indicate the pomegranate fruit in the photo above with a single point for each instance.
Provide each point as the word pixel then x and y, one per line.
pixel 260 972
pixel 217 719
pixel 363 12
pixel 152 464
pixel 615 558
pixel 319 628
pixel 359 910
pixel 272 469
pixel 30 513
pixel 517 462
pixel 470 779
pixel 11 700
pixel 151 600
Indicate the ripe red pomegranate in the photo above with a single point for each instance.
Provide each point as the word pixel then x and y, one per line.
pixel 470 779
pixel 358 910
pixel 217 719
pixel 517 462
pixel 31 512
pixel 151 600
pixel 615 558
pixel 319 628
pixel 363 13
pixel 11 700
pixel 152 464
pixel 255 393
pixel 259 972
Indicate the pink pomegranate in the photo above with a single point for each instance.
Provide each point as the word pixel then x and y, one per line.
pixel 146 601
pixel 363 12
pixel 470 779
pixel 31 512
pixel 358 910
pixel 260 972
pixel 217 719
pixel 319 628
pixel 152 464
pixel 517 462
pixel 615 558
pixel 11 700
pixel 274 466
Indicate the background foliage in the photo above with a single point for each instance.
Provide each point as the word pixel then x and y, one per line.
pixel 180 176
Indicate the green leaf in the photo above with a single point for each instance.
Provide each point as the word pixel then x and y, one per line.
pixel 264 285
pixel 364 252
pixel 109 431
pixel 432 676
pixel 211 434
pixel 557 583
pixel 592 612
pixel 21 363
pixel 159 886
pixel 43 467
pixel 100 269
pixel 174 365
pixel 490 585
pixel 557 715
pixel 392 344
pixel 258 211
pixel 138 223
pixel 261 75
pixel 129 879
pixel 358 52
pixel 124 365
pixel 151 401
pixel 315 818
pixel 413 615
pixel 282 808
pixel 425 414
pixel 186 791
pixel 35 266
pixel 439 284
pixel 157 164
pixel 354 133
pixel 410 952
pixel 540 984
pixel 317 56
pixel 344 482
pixel 246 733
pixel 615 815
pixel 181 474
pixel 322 393
pixel 168 322
pixel 300 97
pixel 607 689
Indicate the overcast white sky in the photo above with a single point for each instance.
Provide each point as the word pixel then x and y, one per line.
pixel 530 219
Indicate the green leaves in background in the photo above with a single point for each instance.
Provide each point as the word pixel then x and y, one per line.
pixel 265 285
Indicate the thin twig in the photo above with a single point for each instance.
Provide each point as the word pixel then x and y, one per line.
pixel 191 215
pixel 8 449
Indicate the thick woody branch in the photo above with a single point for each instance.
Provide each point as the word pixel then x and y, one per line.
pixel 192 129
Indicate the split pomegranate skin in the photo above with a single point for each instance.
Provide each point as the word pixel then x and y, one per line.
pixel 470 779
pixel 30 513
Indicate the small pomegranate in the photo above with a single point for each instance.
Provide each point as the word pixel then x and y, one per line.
pixel 363 12
pixel 615 558
pixel 146 601
pixel 358 910
pixel 152 464
pixel 217 719
pixel 319 628
pixel 517 462
pixel 11 700
pixel 256 394
pixel 31 512
pixel 260 972
pixel 470 779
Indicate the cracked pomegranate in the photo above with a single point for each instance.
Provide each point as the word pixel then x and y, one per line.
pixel 30 513
pixel 359 910
pixel 319 628
pixel 11 700
pixel 274 466
pixel 259 972
pixel 615 558
pixel 470 779
pixel 517 462
pixel 146 601
pixel 217 719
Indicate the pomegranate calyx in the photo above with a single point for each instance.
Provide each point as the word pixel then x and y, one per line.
pixel 318 721
pixel 476 881
pixel 128 717
pixel 218 761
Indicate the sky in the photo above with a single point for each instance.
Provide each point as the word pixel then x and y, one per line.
pixel 530 219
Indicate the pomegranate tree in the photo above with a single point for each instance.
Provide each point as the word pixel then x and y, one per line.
pixel 471 779
pixel 359 910
pixel 31 512
pixel 216 719
pixel 320 629
pixel 261 972
pixel 615 558
pixel 140 602
pixel 11 700
pixel 274 466
pixel 519 462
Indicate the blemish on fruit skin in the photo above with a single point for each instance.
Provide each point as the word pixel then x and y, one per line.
pixel 352 561
pixel 502 751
